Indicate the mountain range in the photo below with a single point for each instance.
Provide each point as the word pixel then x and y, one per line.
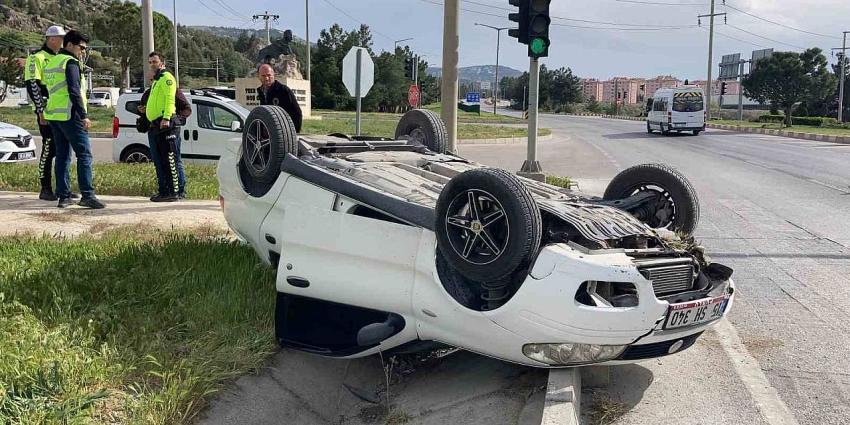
pixel 478 73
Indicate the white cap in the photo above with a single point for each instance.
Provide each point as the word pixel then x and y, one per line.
pixel 55 31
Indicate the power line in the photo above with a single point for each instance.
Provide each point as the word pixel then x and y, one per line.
pixel 735 38
pixel 766 38
pixel 658 3
pixel 232 10
pixel 217 12
pixel 356 20
pixel 777 23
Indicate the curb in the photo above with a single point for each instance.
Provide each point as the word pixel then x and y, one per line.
pixel 612 117
pixel 563 397
pixel 502 141
pixel 791 134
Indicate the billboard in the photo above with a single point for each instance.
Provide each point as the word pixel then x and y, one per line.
pixel 758 55
pixel 729 66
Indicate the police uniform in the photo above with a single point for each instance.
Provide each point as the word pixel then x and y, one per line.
pixel 161 106
pixel 34 80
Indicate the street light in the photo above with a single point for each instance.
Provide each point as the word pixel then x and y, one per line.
pixel 498 39
pixel 395 43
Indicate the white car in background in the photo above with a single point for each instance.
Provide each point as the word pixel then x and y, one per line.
pixel 16 144
pixel 676 109
pixel 214 122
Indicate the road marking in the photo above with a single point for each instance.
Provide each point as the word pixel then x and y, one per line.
pixel 767 399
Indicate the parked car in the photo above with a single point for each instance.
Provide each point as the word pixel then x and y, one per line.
pixel 104 97
pixel 16 144
pixel 395 245
pixel 676 109
pixel 215 120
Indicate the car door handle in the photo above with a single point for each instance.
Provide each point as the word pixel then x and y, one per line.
pixel 298 282
pixel 195 135
pixel 185 134
pixel 270 239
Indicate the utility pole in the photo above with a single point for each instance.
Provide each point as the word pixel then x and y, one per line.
pixel 709 83
pixel 147 36
pixel 176 44
pixel 843 56
pixel 307 34
pixel 616 96
pixel 216 72
pixel 741 90
pixel 449 89
pixel 266 18
pixel 498 40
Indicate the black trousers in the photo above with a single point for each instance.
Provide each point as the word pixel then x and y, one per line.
pixel 48 153
pixel 166 146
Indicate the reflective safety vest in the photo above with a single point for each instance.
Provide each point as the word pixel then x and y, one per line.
pixel 59 100
pixel 34 69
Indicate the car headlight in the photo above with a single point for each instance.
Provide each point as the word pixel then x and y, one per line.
pixel 572 354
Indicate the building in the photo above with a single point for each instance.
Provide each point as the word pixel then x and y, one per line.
pixel 592 88
pixel 624 89
pixel 732 87
pixel 660 82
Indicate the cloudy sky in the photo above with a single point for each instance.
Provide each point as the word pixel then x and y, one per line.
pixel 596 38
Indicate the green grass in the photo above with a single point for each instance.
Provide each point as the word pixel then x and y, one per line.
pixel 101 119
pixel 797 128
pixel 463 116
pixel 486 115
pixel 563 182
pixel 133 327
pixel 115 179
pixel 386 128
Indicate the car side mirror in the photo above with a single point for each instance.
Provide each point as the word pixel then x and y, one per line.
pixel 235 126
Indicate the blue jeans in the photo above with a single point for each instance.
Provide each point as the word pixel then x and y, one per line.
pixel 158 165
pixel 69 135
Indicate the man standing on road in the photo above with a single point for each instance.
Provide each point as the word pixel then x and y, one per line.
pixel 66 112
pixel 37 91
pixel 157 133
pixel 160 109
pixel 272 92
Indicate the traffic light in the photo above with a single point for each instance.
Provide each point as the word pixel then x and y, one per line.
pixel 408 68
pixel 723 88
pixel 521 18
pixel 538 29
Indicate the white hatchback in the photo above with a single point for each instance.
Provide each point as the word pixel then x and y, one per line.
pixel 214 122
pixel 16 144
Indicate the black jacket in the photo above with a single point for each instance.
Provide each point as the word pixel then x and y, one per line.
pixel 281 95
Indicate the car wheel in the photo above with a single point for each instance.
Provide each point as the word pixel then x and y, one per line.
pixel 676 206
pixel 268 136
pixel 663 131
pixel 137 155
pixel 488 225
pixel 423 127
pixel 648 128
pixel 697 132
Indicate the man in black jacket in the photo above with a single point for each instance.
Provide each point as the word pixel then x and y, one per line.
pixel 272 92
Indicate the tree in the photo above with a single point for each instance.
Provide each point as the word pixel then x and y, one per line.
pixel 787 78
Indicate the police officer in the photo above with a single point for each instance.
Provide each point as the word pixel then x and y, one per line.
pixel 272 92
pixel 34 81
pixel 160 110
pixel 66 112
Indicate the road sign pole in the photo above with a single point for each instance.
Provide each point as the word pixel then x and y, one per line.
pixel 531 168
pixel 843 72
pixel 741 91
pixel 357 91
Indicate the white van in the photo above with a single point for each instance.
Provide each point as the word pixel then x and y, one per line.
pixel 104 97
pixel 676 109
pixel 215 122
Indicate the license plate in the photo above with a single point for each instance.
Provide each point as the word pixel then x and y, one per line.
pixel 679 125
pixel 26 155
pixel 696 313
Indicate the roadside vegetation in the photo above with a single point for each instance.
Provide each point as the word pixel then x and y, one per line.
pixel 383 125
pixel 826 130
pixel 23 117
pixel 114 179
pixel 136 326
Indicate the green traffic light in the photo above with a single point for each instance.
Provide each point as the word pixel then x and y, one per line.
pixel 538 46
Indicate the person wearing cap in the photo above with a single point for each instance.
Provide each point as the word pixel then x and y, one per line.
pixel 66 112
pixel 37 91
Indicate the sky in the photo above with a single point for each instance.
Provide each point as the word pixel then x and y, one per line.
pixel 639 38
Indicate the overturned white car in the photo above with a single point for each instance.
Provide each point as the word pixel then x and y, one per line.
pixel 394 245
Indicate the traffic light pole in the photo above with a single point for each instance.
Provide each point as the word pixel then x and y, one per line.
pixel 449 89
pixel 531 168
pixel 741 91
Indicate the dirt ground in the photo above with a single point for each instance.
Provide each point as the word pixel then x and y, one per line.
pixel 25 213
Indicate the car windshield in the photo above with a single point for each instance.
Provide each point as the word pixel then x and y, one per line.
pixel 687 102
pixel 96 95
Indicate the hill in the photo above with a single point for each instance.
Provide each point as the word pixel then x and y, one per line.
pixel 478 73
pixel 234 33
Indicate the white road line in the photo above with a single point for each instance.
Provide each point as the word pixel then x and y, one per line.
pixel 771 406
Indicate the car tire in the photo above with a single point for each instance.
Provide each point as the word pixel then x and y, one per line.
pixel 663 131
pixel 697 132
pixel 675 194
pixel 268 137
pixel 649 128
pixel 504 227
pixel 136 155
pixel 423 127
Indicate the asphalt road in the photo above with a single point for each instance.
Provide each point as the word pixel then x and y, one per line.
pixel 776 210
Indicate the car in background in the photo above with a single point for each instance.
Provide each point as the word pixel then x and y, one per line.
pixel 16 144
pixel 104 97
pixel 214 122
pixel 676 109
pixel 228 92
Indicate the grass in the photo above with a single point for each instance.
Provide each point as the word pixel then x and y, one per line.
pixel 463 116
pixel 342 123
pixel 797 128
pixel 101 119
pixel 563 182
pixel 604 411
pixel 132 327
pixel 115 179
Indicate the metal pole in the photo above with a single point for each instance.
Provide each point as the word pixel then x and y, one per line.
pixel 307 34
pixel 449 89
pixel 616 96
pixel 176 44
pixel 496 89
pixel 531 168
pixel 216 72
pixel 416 76
pixel 709 85
pixel 843 72
pixel 268 32
pixel 741 91
pixel 357 92
pixel 147 35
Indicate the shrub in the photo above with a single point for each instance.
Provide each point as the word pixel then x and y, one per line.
pixel 811 121
pixel 771 118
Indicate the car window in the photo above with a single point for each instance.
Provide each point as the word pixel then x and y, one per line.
pixel 214 117
pixel 688 102
pixel 132 106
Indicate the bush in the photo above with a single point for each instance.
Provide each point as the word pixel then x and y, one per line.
pixel 811 121
pixel 771 118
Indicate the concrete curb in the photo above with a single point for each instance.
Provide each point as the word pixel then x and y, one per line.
pixel 563 398
pixel 502 141
pixel 792 134
pixel 612 117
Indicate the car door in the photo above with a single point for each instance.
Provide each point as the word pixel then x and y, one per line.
pixel 209 129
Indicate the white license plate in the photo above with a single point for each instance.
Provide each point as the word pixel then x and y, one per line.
pixel 26 155
pixel 681 124
pixel 696 313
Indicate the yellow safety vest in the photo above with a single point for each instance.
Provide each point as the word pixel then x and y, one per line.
pixel 34 69
pixel 59 100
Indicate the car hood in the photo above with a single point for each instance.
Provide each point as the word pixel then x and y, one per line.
pixel 12 131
